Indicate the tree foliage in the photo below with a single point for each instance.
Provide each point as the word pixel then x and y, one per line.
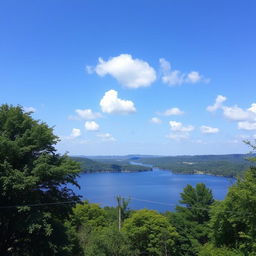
pixel 32 173
pixel 233 220
pixel 191 220
pixel 150 233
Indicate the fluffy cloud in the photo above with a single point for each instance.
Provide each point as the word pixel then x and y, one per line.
pixel 155 120
pixel 237 114
pixel 87 114
pixel 75 133
pixel 218 103
pixel 106 137
pixel 30 109
pixel 173 112
pixel 91 126
pixel 179 131
pixel 249 126
pixel 252 108
pixel 179 127
pixel 176 77
pixel 208 129
pixel 131 73
pixel 110 103
pixel 245 117
pixel 194 77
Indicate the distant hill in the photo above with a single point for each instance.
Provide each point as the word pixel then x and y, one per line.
pixel 231 165
pixel 90 166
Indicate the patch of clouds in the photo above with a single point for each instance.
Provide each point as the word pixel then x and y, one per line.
pixel 208 129
pixel 252 108
pixel 172 112
pixel 194 77
pixel 155 120
pixel 245 125
pixel 179 131
pixel 106 137
pixel 176 77
pixel 217 104
pixel 29 109
pixel 91 126
pixel 110 103
pixel 179 127
pixel 75 133
pixel 236 113
pixel 130 72
pixel 233 113
pixel 86 114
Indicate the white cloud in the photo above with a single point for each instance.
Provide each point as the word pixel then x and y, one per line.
pixel 131 73
pixel 106 137
pixel 75 133
pixel 252 108
pixel 237 114
pixel 176 77
pixel 91 126
pixel 194 77
pixel 179 130
pixel 179 127
pixel 249 126
pixel 29 109
pixel 155 120
pixel 110 103
pixel 86 114
pixel 173 112
pixel 218 103
pixel 177 136
pixel 208 129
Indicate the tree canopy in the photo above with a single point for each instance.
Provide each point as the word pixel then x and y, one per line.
pixel 150 233
pixel 34 196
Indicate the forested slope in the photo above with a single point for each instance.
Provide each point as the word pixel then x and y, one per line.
pixel 224 165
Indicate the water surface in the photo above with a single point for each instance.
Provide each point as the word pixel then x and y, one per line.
pixel 158 189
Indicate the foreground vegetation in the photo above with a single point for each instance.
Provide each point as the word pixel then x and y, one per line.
pixel 40 215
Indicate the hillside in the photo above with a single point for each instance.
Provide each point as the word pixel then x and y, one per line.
pixel 224 165
pixel 90 166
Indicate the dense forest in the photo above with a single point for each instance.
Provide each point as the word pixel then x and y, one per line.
pixel 41 215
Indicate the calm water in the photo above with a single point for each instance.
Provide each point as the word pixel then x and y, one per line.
pixel 159 189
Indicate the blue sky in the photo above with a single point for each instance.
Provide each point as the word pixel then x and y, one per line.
pixel 134 77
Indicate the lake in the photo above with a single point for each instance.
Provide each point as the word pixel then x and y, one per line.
pixel 158 189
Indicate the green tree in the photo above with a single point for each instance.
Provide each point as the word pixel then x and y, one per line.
pixel 210 250
pixel 107 241
pixel 33 186
pixel 150 233
pixel 233 220
pixel 89 215
pixel 191 220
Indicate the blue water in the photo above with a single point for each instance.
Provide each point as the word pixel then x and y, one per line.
pixel 158 189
